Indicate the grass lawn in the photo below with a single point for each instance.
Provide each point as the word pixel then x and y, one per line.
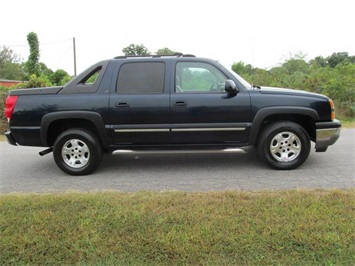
pixel 174 228
pixel 348 122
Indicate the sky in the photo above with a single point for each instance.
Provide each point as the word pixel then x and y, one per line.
pixel 263 33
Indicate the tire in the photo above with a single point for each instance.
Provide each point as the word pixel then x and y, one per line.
pixel 284 145
pixel 77 152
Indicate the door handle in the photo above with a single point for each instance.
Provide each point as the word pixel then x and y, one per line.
pixel 179 103
pixel 121 105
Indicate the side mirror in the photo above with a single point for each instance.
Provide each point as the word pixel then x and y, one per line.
pixel 230 87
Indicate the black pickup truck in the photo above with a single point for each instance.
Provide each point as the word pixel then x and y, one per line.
pixel 168 103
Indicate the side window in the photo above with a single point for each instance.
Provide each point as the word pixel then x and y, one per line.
pixel 194 77
pixel 91 78
pixel 141 77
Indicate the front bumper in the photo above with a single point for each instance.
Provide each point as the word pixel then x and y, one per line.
pixel 327 133
pixel 10 138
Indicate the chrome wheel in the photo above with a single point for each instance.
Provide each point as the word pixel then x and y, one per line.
pixel 75 153
pixel 285 147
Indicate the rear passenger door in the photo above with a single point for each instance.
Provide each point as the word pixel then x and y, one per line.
pixel 139 108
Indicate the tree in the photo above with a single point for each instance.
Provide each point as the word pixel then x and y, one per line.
pixel 295 65
pixel 45 70
pixel 32 64
pixel 10 65
pixel 337 58
pixel 255 76
pixel 165 51
pixel 6 55
pixel 333 76
pixel 59 77
pixel 242 69
pixel 320 60
pixel 135 50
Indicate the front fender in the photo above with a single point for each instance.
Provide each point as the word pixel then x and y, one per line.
pixel 263 113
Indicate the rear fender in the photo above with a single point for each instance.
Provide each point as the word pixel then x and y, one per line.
pixel 93 117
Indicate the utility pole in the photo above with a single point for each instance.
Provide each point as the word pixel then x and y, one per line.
pixel 74 56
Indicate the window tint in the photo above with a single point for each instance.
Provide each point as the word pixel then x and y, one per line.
pixel 141 77
pixel 198 77
pixel 92 78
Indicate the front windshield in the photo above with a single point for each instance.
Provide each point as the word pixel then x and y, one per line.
pixel 245 83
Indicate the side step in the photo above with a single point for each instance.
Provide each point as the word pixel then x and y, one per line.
pixel 240 151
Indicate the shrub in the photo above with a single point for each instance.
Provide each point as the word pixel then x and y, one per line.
pixel 3 121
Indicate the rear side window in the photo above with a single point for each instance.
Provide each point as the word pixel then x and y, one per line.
pixel 141 77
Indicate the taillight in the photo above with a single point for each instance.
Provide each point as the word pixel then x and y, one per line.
pixel 332 109
pixel 9 106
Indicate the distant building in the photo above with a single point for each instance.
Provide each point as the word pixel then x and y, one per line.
pixel 9 83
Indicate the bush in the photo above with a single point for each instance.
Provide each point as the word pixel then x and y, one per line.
pixel 3 120
pixel 35 82
pixel 333 80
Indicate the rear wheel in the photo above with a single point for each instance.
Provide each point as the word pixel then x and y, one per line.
pixel 77 152
pixel 284 145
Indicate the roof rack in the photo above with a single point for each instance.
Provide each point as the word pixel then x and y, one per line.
pixel 154 56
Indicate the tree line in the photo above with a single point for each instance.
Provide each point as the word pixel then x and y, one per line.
pixel 333 75
pixel 36 74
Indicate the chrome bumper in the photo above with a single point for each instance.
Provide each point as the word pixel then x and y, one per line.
pixel 327 134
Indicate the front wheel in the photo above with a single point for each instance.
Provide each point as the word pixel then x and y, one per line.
pixel 284 145
pixel 77 152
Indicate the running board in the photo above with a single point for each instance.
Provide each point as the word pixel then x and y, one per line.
pixel 177 151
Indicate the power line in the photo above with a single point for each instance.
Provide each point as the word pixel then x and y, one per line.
pixel 40 44
pixel 15 45
pixel 65 53
pixel 56 42
pixel 49 44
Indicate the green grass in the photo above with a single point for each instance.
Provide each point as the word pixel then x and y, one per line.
pixel 347 122
pixel 175 228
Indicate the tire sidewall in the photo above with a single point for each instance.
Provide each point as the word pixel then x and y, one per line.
pixel 92 143
pixel 274 129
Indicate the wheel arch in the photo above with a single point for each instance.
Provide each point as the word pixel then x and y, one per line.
pixel 53 124
pixel 306 117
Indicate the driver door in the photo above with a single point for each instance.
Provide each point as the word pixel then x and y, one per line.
pixel 202 112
